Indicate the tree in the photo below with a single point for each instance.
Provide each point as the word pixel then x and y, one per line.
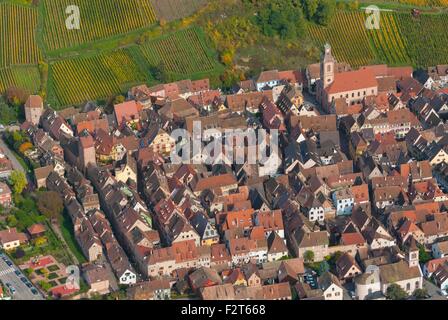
pixel 19 253
pixel 423 255
pixel 324 12
pixel 12 221
pixel 308 256
pixel 18 181
pixel 395 292
pixel 310 8
pixel 119 99
pixel 420 294
pixel 50 204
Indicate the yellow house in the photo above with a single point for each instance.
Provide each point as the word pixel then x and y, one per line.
pixel 163 143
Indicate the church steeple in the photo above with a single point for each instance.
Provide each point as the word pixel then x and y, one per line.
pixel 327 65
pixel 412 255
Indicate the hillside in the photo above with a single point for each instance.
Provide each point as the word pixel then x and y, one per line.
pixel 125 42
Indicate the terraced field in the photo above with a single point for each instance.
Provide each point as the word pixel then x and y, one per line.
pixel 18 43
pixel 89 78
pixel 99 19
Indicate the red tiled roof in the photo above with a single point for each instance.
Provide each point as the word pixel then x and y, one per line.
pixel 352 238
pixel 352 80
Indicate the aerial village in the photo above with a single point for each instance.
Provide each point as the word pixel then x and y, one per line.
pixel 357 208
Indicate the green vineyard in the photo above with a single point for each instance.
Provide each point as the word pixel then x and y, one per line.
pixel 182 52
pixel 400 40
pixel 348 36
pixel 100 76
pixel 27 78
pixel 18 35
pixel 90 78
pixel 99 19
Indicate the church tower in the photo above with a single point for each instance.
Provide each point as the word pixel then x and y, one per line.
pixel 327 65
pixel 412 255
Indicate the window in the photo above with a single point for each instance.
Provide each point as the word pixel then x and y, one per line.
pixel 408 286
pixel 417 284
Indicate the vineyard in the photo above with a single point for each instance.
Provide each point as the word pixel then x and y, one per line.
pixel 25 77
pixel 426 38
pixel 90 78
pixel 400 40
pixel 348 37
pixel 176 9
pixel 182 52
pixel 388 41
pixel 18 35
pixel 99 19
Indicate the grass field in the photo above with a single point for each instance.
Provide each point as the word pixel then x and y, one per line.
pixel 18 43
pixel 169 10
pixel 26 77
pixel 99 19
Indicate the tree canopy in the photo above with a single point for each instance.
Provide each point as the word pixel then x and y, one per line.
pixel 395 292
pixel 50 204
pixel 18 181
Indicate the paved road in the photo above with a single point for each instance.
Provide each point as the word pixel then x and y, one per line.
pixel 8 275
pixel 433 290
pixel 15 163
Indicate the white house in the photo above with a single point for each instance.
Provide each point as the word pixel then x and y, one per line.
pixel 331 286
pixel 128 277
pixel 344 201
pixel 440 249
pixel 267 79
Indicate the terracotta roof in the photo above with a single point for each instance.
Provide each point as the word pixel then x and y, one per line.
pixel 352 80
pixel 433 264
pixel 361 193
pixel 34 101
pixel 127 111
pixel 267 76
pixel 36 229
pixel 215 182
pixel 354 238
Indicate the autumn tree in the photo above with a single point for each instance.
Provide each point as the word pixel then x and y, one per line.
pixel 50 204
pixel 18 181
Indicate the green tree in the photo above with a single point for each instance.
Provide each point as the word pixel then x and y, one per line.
pixel 423 255
pixel 50 204
pixel 119 99
pixel 18 181
pixel 420 294
pixel 395 292
pixel 12 221
pixel 308 256
pixel 325 12
pixel 310 8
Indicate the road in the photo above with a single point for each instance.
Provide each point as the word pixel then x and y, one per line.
pixel 15 163
pixel 12 275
